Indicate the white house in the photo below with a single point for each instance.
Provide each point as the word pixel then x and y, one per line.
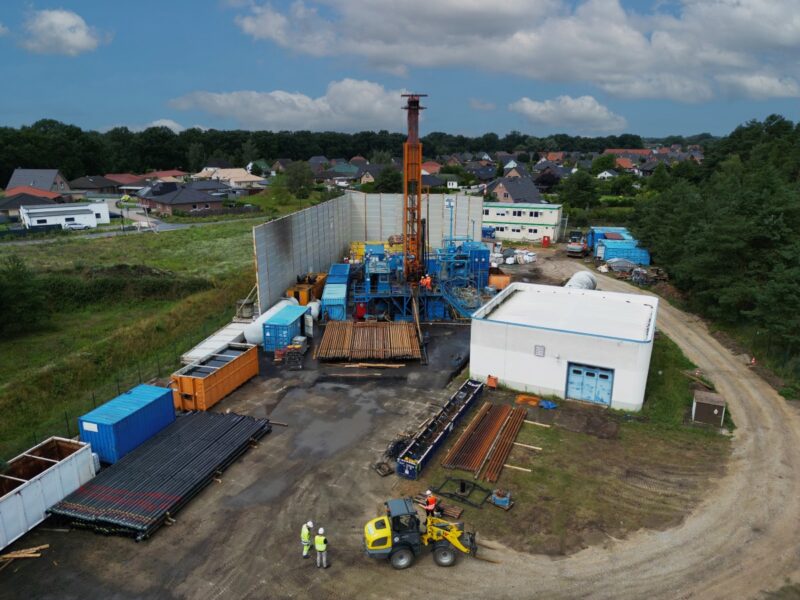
pixel 572 343
pixel 90 214
pixel 522 221
pixel 607 174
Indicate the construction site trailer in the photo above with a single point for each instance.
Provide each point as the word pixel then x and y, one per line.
pixel 283 326
pixel 125 422
pixel 202 384
pixel 231 333
pixel 579 344
pixel 38 479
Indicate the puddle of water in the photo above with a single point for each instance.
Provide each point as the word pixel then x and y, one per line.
pixel 259 492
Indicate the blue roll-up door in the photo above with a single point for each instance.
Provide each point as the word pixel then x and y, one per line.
pixel 591 384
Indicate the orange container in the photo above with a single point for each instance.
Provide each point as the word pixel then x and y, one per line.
pixel 202 384
pixel 498 279
pixel 491 382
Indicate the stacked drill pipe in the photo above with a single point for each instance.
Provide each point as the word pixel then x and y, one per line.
pixel 136 495
pixel 346 340
pixel 478 440
pixel 504 444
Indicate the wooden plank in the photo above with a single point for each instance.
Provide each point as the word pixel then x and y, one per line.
pixel 527 446
pixel 518 468
pixel 536 423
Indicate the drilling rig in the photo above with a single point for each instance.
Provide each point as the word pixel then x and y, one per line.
pixel 412 193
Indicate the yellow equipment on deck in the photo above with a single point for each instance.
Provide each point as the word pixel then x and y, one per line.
pixel 399 536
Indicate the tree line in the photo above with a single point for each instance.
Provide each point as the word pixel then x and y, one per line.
pixel 77 152
pixel 727 233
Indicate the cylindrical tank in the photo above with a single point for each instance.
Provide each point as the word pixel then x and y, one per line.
pixel 254 332
pixel 316 307
pixel 582 280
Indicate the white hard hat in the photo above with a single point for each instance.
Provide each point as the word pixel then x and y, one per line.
pixel 310 524
pixel 321 531
pixel 429 493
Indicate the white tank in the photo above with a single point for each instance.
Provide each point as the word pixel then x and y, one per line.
pixel 254 332
pixel 582 280
pixel 316 307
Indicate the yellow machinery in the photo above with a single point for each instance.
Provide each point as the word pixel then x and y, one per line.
pixel 399 537
pixel 308 287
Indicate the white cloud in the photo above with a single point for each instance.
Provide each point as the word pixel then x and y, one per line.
pixel 676 52
pixel 476 104
pixel 59 32
pixel 347 105
pixel 3 30
pixel 582 114
pixel 760 86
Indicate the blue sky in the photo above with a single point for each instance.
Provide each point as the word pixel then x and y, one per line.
pixel 589 67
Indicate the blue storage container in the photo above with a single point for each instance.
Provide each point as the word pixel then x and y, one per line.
pixel 122 424
pixel 281 327
pixel 376 250
pixel 599 233
pixel 608 249
pixel 334 301
pixel 338 273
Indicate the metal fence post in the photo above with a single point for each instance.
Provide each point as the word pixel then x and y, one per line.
pixel 94 400
pixel 66 420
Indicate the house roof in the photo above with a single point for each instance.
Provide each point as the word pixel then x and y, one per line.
pixel 122 178
pixel 26 189
pixel 611 172
pixel 60 213
pixel 631 151
pixel 23 199
pixel 168 173
pixel 521 189
pixel 240 175
pixel 92 182
pixel 317 160
pixel 431 166
pixel 207 185
pixel 165 193
pixel 432 181
pixel 358 160
pixel 624 163
pixel 42 179
pixel 373 170
pixel 523 172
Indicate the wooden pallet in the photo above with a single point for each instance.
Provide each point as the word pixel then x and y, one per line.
pixel 448 510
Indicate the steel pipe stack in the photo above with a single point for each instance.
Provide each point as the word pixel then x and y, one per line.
pixel 346 340
pixel 136 495
pixel 475 443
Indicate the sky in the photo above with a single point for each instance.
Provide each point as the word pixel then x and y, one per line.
pixel 582 67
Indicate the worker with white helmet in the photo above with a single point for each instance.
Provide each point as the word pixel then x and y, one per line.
pixel 305 538
pixel 430 503
pixel 321 546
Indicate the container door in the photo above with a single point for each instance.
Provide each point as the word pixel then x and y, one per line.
pixel 601 251
pixel 605 382
pixel 589 385
pixel 574 381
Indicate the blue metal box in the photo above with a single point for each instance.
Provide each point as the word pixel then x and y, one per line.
pixel 281 327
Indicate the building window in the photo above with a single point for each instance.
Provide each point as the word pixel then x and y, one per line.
pixel 97 216
pixel 533 230
pixel 194 206
pixel 505 194
pixel 486 212
pixel 501 229
pixel 517 213
pixel 515 230
pixel 69 220
pixel 208 205
pixel 41 221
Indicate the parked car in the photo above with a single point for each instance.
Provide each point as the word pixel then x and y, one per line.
pixel 76 226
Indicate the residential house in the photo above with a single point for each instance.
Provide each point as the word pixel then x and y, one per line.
pixel 94 183
pixel 279 166
pixel 516 171
pixel 359 161
pixel 503 157
pixel 170 198
pixel 523 221
pixel 547 179
pixel 50 180
pixel 10 205
pixel 482 173
pixel 626 164
pixel 431 167
pixel 649 167
pixel 510 164
pixel 556 157
pixel 545 164
pixel 454 160
pixel 239 178
pixel 318 163
pixel 640 153
pixel 514 189
pixel 482 156
pixel 90 214
pixel 133 187
pixel 432 181
pixel 214 187
pixel 607 174
pixel 369 173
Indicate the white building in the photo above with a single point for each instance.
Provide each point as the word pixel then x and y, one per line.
pixel 90 214
pixel 580 344
pixel 522 221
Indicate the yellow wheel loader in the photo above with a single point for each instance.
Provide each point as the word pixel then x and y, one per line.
pixel 399 536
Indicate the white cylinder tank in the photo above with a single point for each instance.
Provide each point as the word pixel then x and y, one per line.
pixel 582 280
pixel 254 332
pixel 316 307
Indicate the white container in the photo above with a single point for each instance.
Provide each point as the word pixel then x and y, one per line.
pixel 254 332
pixel 37 480
pixel 510 260
pixel 232 333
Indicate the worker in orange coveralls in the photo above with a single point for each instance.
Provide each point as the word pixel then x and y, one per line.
pixel 430 503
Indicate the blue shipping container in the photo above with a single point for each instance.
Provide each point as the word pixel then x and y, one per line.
pixel 598 233
pixel 608 249
pixel 334 301
pixel 281 327
pixel 338 273
pixel 122 424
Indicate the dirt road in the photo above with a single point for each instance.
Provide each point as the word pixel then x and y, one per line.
pixel 741 541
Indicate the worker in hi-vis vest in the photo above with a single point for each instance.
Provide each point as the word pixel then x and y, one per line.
pixel 305 538
pixel 321 546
